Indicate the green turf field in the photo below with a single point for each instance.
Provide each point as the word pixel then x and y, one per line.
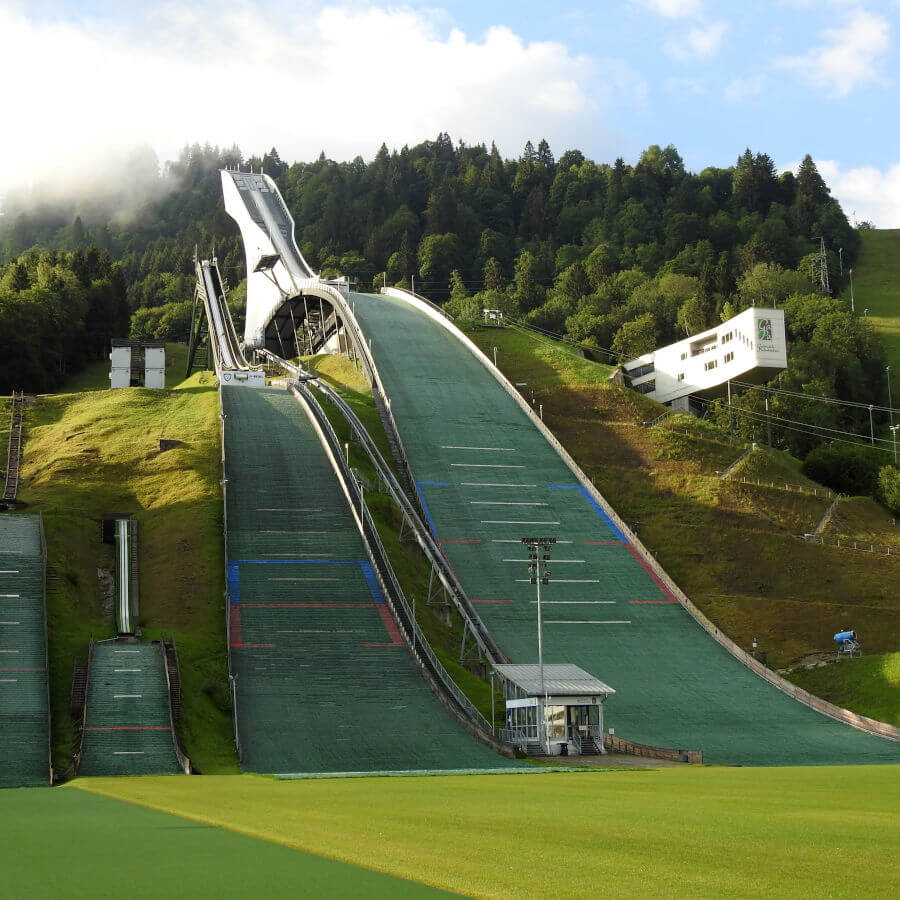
pixel 693 831
pixel 876 287
pixel 73 844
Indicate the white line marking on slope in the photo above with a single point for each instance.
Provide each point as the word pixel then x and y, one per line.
pixel 494 449
pixel 587 621
pixel 492 484
pixel 555 562
pixel 565 580
pixel 577 602
pixel 506 503
pixel 484 466
pixel 513 522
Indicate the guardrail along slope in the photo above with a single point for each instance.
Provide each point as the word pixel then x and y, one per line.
pixel 24 711
pixel 323 681
pixel 488 477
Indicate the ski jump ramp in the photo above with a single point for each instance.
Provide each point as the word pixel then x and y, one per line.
pixel 488 474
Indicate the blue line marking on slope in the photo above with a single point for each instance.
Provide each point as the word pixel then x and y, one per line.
pixel 234 581
pixel 435 483
pixel 372 581
pixel 425 506
pixel 584 493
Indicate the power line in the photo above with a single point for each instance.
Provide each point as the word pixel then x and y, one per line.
pixel 854 403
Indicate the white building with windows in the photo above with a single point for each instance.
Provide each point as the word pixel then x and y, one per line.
pixel 750 346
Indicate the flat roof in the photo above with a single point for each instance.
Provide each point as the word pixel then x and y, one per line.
pixel 559 678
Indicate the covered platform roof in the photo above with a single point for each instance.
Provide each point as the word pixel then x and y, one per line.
pixel 562 679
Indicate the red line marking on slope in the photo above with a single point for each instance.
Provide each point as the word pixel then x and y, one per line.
pixel 391 625
pixel 234 624
pixel 128 728
pixel 656 579
pixel 254 646
pixel 15 669
pixel 605 544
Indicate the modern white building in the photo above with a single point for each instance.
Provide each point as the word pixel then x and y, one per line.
pixel 750 346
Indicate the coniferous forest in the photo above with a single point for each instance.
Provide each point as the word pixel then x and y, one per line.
pixel 618 257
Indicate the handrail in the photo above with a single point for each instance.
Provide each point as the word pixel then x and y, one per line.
pixel 863 723
pixel 183 761
pixel 393 592
pixel 544 332
pixel 424 537
pixel 46 650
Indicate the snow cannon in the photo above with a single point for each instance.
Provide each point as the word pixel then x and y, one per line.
pixel 847 641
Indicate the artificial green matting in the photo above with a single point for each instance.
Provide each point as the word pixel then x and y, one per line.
pixel 323 682
pixel 65 842
pixel 24 725
pixel 127 724
pixel 488 478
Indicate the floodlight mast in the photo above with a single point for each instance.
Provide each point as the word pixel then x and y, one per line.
pixel 538 557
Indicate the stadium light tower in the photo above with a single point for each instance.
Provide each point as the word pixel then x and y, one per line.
pixel 538 558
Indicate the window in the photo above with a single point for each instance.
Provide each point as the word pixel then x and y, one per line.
pixel 646 387
pixel 645 369
pixel 710 365
pixel 684 355
pixel 681 376
pixel 729 357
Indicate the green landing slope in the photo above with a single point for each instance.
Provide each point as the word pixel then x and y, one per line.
pixel 65 842
pixel 127 724
pixel 24 715
pixel 489 478
pixel 323 680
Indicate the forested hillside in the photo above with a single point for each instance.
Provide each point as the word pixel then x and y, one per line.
pixel 620 257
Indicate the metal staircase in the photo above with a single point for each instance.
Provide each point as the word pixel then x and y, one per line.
pixel 14 449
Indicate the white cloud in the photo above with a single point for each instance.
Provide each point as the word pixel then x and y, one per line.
pixel 865 193
pixel 673 9
pixel 699 43
pixel 847 58
pixel 342 79
pixel 740 89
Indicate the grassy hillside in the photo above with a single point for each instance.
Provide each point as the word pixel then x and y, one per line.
pixel 692 831
pixel 876 286
pixel 734 548
pixel 95 452
pixel 867 684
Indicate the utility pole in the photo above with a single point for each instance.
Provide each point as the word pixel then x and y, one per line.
pixel 890 399
pixel 871 426
pixel 768 422
pixel 852 301
pixel 730 412
pixel 841 260
pixel 538 558
pixel 894 434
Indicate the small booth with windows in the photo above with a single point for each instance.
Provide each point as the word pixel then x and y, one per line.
pixel 554 709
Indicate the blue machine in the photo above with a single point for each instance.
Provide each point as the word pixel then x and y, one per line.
pixel 847 641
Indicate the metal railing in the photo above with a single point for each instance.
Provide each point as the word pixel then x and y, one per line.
pixel 183 761
pixel 423 535
pixel 404 616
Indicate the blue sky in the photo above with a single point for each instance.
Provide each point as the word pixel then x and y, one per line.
pixel 785 77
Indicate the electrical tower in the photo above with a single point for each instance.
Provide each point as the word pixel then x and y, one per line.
pixel 822 267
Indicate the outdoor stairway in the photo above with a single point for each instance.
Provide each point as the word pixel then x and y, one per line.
pixel 128 727
pixel 14 448
pixel 24 711
pixel 78 691
pixel 174 679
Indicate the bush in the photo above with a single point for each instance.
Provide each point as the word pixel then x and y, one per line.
pixel 889 488
pixel 846 468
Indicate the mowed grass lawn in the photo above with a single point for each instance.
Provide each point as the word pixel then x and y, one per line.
pixel 738 832
pixel 876 287
pixel 66 843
